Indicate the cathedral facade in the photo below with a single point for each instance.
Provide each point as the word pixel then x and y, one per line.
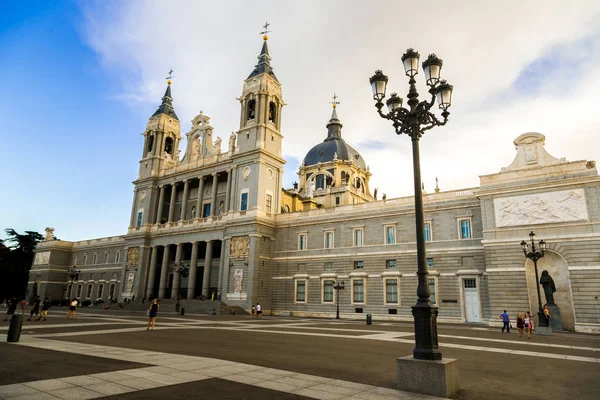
pixel 216 222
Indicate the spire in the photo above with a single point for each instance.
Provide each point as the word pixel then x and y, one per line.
pixel 264 59
pixel 167 104
pixel 334 126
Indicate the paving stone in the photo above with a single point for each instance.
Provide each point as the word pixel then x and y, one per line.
pixel 49 384
pixel 282 387
pixel 319 394
pixel 82 380
pixel 34 396
pixel 110 388
pixel 16 389
pixel 141 383
pixel 75 393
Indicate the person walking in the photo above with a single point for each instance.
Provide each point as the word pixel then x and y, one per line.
pixel 506 320
pixel 72 309
pixel 45 307
pixel 152 311
pixel 35 309
pixel 12 307
pixel 253 311
pixel 258 310
pixel 527 322
pixel 520 324
pixel 547 315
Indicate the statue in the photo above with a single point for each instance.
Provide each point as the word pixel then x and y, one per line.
pixel 549 287
pixel 49 234
pixel 196 148
pixel 218 144
pixel 375 194
pixel 221 208
pixel 384 196
pixel 231 143
pixel 238 276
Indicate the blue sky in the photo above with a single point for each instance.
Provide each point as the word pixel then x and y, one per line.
pixel 80 79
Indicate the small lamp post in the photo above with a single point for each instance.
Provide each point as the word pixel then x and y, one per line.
pixel 73 274
pixel 534 254
pixel 183 270
pixel 414 120
pixel 337 286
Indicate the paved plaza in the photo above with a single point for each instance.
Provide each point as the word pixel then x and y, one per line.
pixel 110 354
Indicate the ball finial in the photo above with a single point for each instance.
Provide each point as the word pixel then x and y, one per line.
pixel 266 37
pixel 169 81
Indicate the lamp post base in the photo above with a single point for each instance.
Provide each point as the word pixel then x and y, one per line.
pixel 426 338
pixel 436 378
pixel 543 330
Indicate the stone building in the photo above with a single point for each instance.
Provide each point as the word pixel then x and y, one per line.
pixel 219 223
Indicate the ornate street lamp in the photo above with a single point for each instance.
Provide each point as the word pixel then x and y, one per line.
pixel 73 274
pixel 414 120
pixel 534 254
pixel 337 286
pixel 183 270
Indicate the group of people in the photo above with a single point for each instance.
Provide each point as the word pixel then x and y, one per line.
pixel 12 304
pixel 524 322
pixel 256 311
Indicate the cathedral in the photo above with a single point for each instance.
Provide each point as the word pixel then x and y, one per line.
pixel 214 221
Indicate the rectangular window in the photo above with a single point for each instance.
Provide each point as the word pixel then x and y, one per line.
pixel 206 211
pixel 328 291
pixel 100 290
pixel 111 291
pixel 105 258
pixel 390 234
pixel 302 245
pixel 79 290
pixel 139 218
pixel 85 259
pixel 328 266
pixel 390 263
pixel 95 259
pixel 358 290
pixel 358 237
pixel 427 231
pixel 337 200
pixel 74 260
pixel 117 256
pixel 358 265
pixel 301 291
pixel 432 291
pixel 465 228
pixel 329 240
pixel 429 262
pixel 391 291
pixel 268 202
pixel 89 290
pixel 244 202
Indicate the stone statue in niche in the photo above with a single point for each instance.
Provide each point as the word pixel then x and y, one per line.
pixel 196 148
pixel 232 143
pixel 238 277
pixel 221 208
pixel 193 212
pixel 549 287
pixel 49 235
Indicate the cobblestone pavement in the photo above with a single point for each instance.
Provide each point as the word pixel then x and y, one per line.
pixel 219 357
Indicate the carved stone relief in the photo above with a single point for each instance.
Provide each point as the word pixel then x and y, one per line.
pixel 238 277
pixel 239 246
pixel 133 255
pixel 541 208
pixel 42 258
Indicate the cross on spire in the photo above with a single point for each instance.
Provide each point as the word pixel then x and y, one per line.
pixel 266 26
pixel 334 102
pixel 170 74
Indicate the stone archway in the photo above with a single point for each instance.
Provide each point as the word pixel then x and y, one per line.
pixel 557 267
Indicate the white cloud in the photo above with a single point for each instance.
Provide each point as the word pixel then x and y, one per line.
pixel 323 47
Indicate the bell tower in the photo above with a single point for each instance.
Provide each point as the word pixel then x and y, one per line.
pixel 161 138
pixel 261 104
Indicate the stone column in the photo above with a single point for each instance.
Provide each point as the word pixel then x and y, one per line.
pixel 221 266
pixel 186 188
pixel 162 287
pixel 228 193
pixel 233 194
pixel 132 222
pixel 172 203
pixel 159 209
pixel 193 270
pixel 207 267
pixel 225 273
pixel 213 197
pixel 177 275
pixel 199 211
pixel 152 272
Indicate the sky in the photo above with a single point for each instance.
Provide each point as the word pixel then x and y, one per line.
pixel 80 79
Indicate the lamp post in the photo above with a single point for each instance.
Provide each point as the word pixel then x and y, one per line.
pixel 534 254
pixel 183 271
pixel 414 120
pixel 337 286
pixel 73 274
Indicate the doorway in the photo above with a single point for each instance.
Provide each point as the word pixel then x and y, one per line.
pixel 471 296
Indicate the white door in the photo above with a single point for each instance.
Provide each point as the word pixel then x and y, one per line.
pixel 472 313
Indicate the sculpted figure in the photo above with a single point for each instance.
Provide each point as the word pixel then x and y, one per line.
pixel 218 144
pixel 49 234
pixel 549 287
pixel 238 275
pixel 232 143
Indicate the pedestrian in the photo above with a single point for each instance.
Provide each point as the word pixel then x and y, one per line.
pixel 35 309
pixel 45 307
pixel 547 315
pixel 72 309
pixel 253 311
pixel 258 310
pixel 12 307
pixel 520 324
pixel 506 321
pixel 528 323
pixel 23 305
pixel 152 311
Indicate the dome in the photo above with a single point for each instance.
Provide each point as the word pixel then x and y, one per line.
pixel 332 145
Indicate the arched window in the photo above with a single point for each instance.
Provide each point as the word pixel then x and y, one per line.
pixel 272 112
pixel 150 143
pixel 169 145
pixel 343 177
pixel 251 109
pixel 320 182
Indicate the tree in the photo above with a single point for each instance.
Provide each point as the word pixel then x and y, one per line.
pixel 16 260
